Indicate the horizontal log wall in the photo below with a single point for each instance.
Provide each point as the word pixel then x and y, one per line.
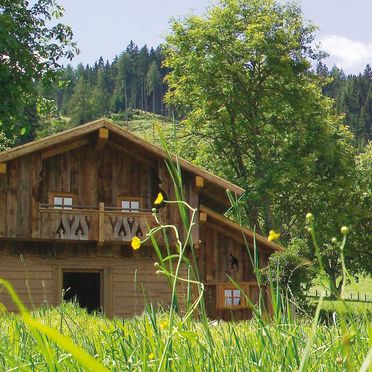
pixel 129 278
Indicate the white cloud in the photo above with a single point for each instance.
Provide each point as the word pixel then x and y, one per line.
pixel 350 55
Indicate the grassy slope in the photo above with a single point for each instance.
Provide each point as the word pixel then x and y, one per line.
pixel 144 124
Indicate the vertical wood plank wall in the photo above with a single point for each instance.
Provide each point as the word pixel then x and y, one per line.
pixel 93 176
pixel 215 266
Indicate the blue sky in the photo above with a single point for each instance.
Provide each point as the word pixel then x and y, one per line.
pixel 105 28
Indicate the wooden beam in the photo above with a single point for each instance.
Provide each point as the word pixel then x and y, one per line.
pixel 199 182
pixel 103 135
pixel 101 223
pixel 203 217
pixel 64 148
pixel 2 168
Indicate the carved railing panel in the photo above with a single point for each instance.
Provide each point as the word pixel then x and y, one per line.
pixel 69 225
pixel 123 227
pixel 75 227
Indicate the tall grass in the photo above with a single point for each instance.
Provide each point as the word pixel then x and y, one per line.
pixel 138 343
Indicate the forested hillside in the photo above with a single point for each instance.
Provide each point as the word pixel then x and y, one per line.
pixel 353 97
pixel 135 80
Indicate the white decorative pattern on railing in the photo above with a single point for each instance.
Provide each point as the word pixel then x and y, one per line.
pixel 93 224
pixel 126 227
pixel 73 227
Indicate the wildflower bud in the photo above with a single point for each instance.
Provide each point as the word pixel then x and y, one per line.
pixel 334 240
pixel 310 230
pixel 309 217
pixel 154 210
pixel 344 230
pixel 156 264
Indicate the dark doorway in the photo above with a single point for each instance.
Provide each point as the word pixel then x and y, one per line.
pixel 83 287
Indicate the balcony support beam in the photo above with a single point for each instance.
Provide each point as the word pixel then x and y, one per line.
pixel 101 223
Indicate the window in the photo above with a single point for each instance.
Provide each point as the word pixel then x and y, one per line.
pixel 229 297
pixel 232 297
pixel 62 202
pixel 130 205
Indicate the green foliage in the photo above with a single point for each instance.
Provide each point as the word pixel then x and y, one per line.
pixel 292 271
pixel 359 252
pixel 241 74
pixel 30 49
pixel 4 142
pixel 255 114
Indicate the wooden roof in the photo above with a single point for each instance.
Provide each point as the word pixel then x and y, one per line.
pixel 228 224
pixel 83 130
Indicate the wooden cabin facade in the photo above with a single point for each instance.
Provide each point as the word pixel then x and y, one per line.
pixel 71 203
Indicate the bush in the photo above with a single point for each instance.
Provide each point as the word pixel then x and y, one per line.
pixel 292 271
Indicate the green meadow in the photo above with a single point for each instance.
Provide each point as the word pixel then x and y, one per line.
pixel 280 344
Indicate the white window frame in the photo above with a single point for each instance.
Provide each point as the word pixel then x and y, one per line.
pixel 62 201
pixel 130 205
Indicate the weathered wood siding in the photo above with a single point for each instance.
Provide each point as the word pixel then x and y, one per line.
pixel 91 176
pixel 215 267
pixel 37 280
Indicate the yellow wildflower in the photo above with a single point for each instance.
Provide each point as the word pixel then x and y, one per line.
pixel 159 199
pixel 164 324
pixel 136 242
pixel 151 356
pixel 273 236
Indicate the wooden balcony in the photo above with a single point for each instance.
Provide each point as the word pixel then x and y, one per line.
pixel 99 224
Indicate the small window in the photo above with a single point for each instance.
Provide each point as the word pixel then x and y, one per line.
pixel 130 205
pixel 232 297
pixel 229 297
pixel 62 202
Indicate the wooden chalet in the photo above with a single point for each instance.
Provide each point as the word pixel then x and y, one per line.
pixel 71 203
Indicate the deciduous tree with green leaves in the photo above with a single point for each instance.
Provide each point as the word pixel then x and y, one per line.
pixel 32 42
pixel 255 113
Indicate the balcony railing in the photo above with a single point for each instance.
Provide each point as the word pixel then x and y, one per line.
pixel 93 223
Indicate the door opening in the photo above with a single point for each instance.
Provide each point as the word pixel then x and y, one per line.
pixel 83 287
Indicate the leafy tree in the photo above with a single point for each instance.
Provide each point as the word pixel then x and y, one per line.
pixel 360 237
pixel 255 113
pixel 30 50
pixel 242 75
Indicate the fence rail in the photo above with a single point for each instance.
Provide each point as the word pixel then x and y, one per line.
pixel 354 296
